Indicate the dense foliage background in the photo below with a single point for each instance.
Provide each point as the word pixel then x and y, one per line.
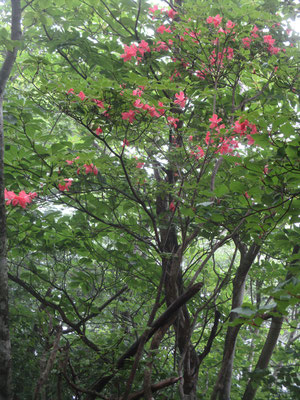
pixel 154 252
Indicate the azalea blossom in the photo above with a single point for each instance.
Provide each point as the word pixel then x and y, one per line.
pixel 230 24
pixel 66 186
pixel 143 47
pixel 268 39
pixel 246 42
pixel 173 121
pixel 171 13
pixel 99 103
pixel 153 9
pixel 253 32
pixel 98 131
pixel 214 121
pixel 90 168
pixel 81 95
pixel 129 115
pixel 129 52
pixel 180 99
pixel 22 198
pixel 161 29
pixel 215 20
pixel 172 207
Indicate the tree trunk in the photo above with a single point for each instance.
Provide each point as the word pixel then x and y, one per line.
pixel 223 384
pixel 5 353
pixel 265 355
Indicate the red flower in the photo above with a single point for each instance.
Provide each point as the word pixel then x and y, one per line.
pixel 214 121
pixel 172 207
pixel 22 198
pixel 268 39
pixel 70 91
pixel 181 99
pixel 66 186
pixel 140 165
pixel 143 47
pixel 81 95
pixel 173 121
pixel 171 13
pixel 161 29
pixel 246 42
pixel 98 131
pixel 129 115
pixel 90 168
pixel 129 51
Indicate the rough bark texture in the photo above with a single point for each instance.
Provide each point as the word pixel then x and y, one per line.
pixel 5 354
pixel 223 385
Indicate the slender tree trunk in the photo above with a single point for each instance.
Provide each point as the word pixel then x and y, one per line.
pixel 5 353
pixel 223 384
pixel 265 355
pixel 269 345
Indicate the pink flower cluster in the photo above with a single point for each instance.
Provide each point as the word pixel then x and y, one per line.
pixel 88 169
pixel 22 199
pixel 132 51
pixel 214 20
pixel 170 13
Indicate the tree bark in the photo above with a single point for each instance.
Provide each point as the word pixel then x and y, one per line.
pixel 269 345
pixel 5 353
pixel 265 355
pixel 222 387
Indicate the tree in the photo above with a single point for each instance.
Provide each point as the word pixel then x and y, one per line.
pixel 156 128
pixel 7 64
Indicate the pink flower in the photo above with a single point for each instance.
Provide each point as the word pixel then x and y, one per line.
pixel 70 91
pixel 171 13
pixel 143 47
pixel 22 198
pixel 140 165
pixel 268 39
pixel 191 138
pixel 250 140
pixel 129 115
pixel 229 53
pixel 173 121
pixel 70 162
pixel 246 42
pixel 253 32
pixel 214 121
pixel 138 103
pixel 266 169
pixel 180 99
pixel 246 195
pixel 90 168
pixel 125 143
pixel 66 186
pixel 153 9
pixel 274 50
pixel 172 207
pixel 215 20
pixel 99 103
pixel 162 46
pixel 81 95
pixel 98 131
pixel 129 51
pixel 161 29
pixel 137 92
pixel 230 24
